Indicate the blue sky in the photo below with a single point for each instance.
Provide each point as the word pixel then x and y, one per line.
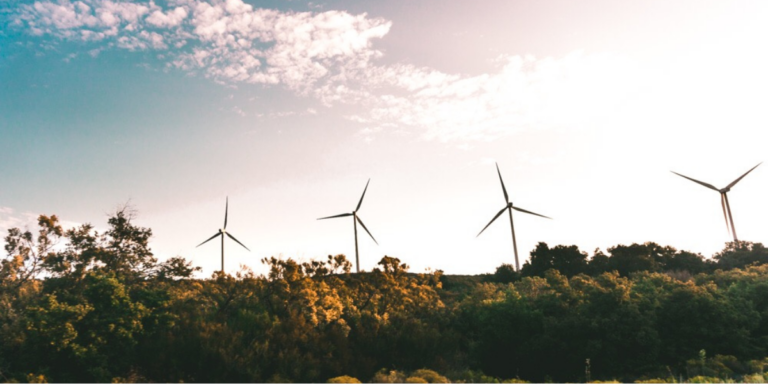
pixel 288 108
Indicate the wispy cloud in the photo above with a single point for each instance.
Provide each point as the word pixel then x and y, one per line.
pixel 525 93
pixel 330 55
pixel 225 40
pixel 9 219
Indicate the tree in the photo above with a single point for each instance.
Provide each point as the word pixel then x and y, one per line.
pixel 504 274
pixel 685 261
pixel 693 318
pixel 739 254
pixel 568 260
pixel 633 258
pixel 25 254
pixel 123 249
pixel 598 264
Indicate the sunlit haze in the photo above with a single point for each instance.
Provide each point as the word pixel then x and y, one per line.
pixel 289 107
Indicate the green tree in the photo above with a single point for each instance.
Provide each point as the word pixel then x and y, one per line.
pixel 568 260
pixel 739 254
pixel 25 254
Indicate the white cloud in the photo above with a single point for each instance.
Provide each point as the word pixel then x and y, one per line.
pixel 27 221
pixel 226 40
pixel 170 19
pixel 9 219
pixel 84 20
pixel 330 55
pixel 525 93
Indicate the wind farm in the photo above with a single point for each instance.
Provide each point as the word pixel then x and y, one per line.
pixel 124 122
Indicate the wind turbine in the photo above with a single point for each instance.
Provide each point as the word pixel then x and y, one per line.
pixel 723 199
pixel 509 207
pixel 355 220
pixel 222 232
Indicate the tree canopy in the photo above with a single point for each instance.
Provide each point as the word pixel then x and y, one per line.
pixel 81 305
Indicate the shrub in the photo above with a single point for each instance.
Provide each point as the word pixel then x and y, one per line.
pixel 755 378
pixel 429 376
pixel 392 376
pixel 705 379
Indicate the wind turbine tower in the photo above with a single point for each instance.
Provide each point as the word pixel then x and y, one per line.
pixel 355 220
pixel 723 199
pixel 509 207
pixel 222 232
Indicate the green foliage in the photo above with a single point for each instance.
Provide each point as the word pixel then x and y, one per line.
pixel 33 378
pixel 429 376
pixel 101 307
pixel 739 254
pixel 706 379
pixel 567 260
pixel 470 376
pixel 754 378
pixel 504 274
pixel 387 376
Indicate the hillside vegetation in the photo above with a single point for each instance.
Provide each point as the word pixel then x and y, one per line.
pixel 101 307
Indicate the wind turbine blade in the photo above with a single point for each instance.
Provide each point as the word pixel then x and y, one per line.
pixel 725 215
pixel 696 181
pixel 233 238
pixel 492 220
pixel 211 238
pixel 226 210
pixel 333 217
pixel 366 229
pixel 506 197
pixel 739 179
pixel 529 212
pixel 361 197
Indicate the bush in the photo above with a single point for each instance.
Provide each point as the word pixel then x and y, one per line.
pixel 755 378
pixel 392 376
pixel 343 379
pixel 705 379
pixel 429 376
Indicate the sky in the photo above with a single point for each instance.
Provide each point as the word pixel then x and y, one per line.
pixel 288 108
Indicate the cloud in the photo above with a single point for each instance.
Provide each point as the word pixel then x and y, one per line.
pixel 330 56
pixel 10 220
pixel 226 40
pixel 28 221
pixel 172 18
pixel 525 93
pixel 83 20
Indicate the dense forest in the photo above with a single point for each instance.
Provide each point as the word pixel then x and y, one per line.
pixel 79 305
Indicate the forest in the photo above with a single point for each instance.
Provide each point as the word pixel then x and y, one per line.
pixel 79 305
